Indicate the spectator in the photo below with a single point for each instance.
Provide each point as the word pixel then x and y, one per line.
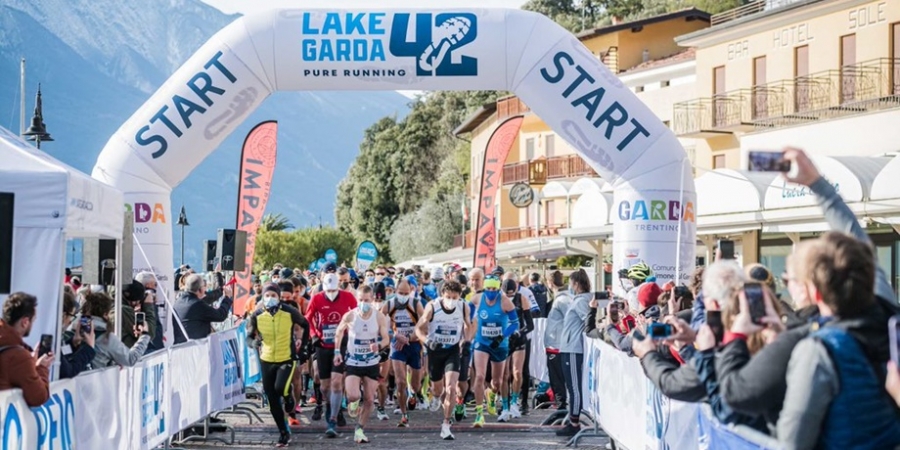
pixel 20 368
pixel 540 293
pixel 158 304
pixel 78 348
pixel 762 274
pixel 555 318
pixel 837 373
pixel 109 348
pixel 647 296
pixel 197 316
pixel 135 298
pixel 665 365
pixel 571 347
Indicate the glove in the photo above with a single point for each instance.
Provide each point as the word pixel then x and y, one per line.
pixel 384 353
pixel 303 355
pixel 431 345
pixel 495 343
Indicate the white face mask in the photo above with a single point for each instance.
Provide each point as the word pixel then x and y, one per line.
pixel 331 295
pixel 402 299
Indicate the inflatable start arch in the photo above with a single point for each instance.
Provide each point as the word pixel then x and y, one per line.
pixel 519 51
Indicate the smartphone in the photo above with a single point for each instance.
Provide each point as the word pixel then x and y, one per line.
pixel 86 325
pixel 754 294
pixel 46 345
pixel 767 161
pixel 139 318
pixel 658 330
pixel 894 333
pixel 614 312
pixel 726 247
pixel 601 295
pixel 714 320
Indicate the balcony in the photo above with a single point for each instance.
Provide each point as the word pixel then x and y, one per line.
pixel 859 88
pixel 558 167
pixel 508 235
pixel 510 106
pixel 751 9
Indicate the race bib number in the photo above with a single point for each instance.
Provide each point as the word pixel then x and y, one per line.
pixel 329 331
pixel 405 329
pixel 491 331
pixel 446 337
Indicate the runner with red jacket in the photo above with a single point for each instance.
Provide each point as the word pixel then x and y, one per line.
pixel 324 314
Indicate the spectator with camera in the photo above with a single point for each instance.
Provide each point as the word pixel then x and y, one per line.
pixel 20 367
pixel 78 347
pixel 96 315
pixel 158 304
pixel 196 315
pixel 137 304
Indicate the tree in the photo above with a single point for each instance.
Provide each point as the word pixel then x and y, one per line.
pixel 275 222
pixel 298 248
pixel 428 230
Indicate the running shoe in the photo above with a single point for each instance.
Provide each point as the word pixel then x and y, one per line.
pixel 479 420
pixel 382 415
pixel 445 432
pixel 435 404
pixel 459 412
pixel 298 409
pixel 421 403
pixel 568 431
pixel 353 409
pixel 331 432
pixel 360 437
pixel 292 421
pixel 491 402
pixel 283 440
pixel 341 421
pixel 514 412
pixel 303 401
pixel 317 413
pixel 411 403
pixel 404 421
pixel 398 411
pixel 504 416
pixel 389 402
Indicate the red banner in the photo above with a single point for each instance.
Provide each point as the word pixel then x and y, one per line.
pixel 498 148
pixel 257 166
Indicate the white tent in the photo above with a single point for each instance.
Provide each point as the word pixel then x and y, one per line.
pixel 53 202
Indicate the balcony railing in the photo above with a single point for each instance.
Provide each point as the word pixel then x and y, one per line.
pixel 510 106
pixel 558 167
pixel 750 9
pixel 509 235
pixel 854 89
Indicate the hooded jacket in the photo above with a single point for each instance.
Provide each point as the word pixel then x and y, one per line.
pixel 571 338
pixel 110 349
pixel 18 369
pixel 555 319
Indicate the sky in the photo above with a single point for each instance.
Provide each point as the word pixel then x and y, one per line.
pixel 250 6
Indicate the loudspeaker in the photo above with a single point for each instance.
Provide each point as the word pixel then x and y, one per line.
pixel 231 249
pixel 7 203
pixel 99 258
pixel 209 255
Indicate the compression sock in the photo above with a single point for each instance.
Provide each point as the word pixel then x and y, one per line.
pixel 506 403
pixel 335 399
pixel 515 398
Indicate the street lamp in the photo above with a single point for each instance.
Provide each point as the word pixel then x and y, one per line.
pixel 182 222
pixel 38 130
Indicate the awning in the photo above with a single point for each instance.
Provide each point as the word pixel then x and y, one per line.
pixel 589 185
pixel 726 191
pixel 887 183
pixel 556 189
pixel 587 233
pixel 592 209
pixel 852 177
pixel 541 249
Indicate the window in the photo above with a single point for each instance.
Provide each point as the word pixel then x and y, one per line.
pixel 550 145
pixel 549 213
pixel 639 89
pixel 802 83
pixel 529 149
pixel 718 161
pixel 718 96
pixel 664 83
pixel 760 103
pixel 848 68
pixel 895 61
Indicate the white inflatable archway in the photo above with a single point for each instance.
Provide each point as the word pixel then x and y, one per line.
pixel 458 49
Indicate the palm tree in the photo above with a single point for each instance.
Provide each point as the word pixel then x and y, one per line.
pixel 275 222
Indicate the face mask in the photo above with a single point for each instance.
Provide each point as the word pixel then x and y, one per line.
pixel 391 297
pixel 331 295
pixel 491 295
pixel 370 280
pixel 365 307
pixel 344 285
pixel 270 302
pixel 402 299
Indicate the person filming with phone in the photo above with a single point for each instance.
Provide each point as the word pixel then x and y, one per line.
pixel 96 315
pixel 138 307
pixel 20 366
pixel 78 345
pixel 196 315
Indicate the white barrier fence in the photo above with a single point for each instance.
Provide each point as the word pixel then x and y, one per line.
pixel 136 407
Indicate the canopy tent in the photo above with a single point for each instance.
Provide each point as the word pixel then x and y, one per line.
pixel 53 202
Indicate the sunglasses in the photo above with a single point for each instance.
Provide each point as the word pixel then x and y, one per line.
pixel 380 274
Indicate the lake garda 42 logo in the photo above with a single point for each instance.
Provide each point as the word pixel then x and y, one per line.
pixel 434 41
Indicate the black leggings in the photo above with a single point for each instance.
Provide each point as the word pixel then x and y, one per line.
pixel 572 365
pixel 276 379
pixel 526 377
pixel 557 376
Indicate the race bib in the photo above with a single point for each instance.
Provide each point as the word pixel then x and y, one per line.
pixel 446 337
pixel 329 331
pixel 491 331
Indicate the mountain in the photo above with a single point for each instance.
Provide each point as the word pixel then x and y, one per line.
pixel 99 60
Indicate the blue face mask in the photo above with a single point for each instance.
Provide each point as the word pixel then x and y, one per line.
pixel 491 295
pixel 270 302
pixel 370 280
pixel 365 307
pixel 391 297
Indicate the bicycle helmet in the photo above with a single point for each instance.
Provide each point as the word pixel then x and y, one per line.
pixel 639 271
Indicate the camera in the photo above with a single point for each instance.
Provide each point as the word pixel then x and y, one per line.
pixel 658 330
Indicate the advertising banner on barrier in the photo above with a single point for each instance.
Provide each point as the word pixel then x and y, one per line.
pixel 189 383
pixel 50 426
pixel 152 394
pixel 537 364
pixel 249 357
pixel 225 381
pixel 257 167
pixel 96 392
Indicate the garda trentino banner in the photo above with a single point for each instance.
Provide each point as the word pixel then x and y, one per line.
pixel 495 154
pixel 257 167
pixel 547 67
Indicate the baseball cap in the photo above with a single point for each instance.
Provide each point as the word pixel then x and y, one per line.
pixel 437 273
pixel 388 282
pixel 411 279
pixel 498 271
pixel 330 267
pixel 330 282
